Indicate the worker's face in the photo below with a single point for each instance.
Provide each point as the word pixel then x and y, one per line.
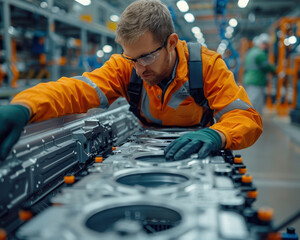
pixel 155 67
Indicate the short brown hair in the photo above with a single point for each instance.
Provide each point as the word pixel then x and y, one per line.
pixel 142 16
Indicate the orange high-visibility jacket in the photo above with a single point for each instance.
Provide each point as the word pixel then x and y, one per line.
pixel 235 116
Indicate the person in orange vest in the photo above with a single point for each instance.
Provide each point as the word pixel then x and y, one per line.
pixel 153 73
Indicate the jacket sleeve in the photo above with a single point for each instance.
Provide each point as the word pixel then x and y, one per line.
pixel 236 118
pixel 78 94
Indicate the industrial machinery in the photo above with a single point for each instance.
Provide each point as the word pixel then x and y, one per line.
pixel 103 176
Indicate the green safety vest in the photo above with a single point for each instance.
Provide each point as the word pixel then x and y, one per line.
pixel 257 67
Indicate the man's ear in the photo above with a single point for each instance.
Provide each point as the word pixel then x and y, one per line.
pixel 172 42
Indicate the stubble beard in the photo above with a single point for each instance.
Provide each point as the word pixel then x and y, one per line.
pixel 153 81
pixel 156 78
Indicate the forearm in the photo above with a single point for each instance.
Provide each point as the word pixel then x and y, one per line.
pixel 241 128
pixel 238 124
pixel 55 99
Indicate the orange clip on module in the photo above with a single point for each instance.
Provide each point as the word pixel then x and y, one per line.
pixel 98 159
pixel 246 179
pixel 69 179
pixel 274 236
pixel 238 160
pixel 3 234
pixel 265 214
pixel 242 170
pixel 25 215
pixel 252 194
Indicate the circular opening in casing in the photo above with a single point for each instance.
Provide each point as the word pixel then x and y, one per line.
pixel 151 218
pixel 152 158
pixel 153 179
pixel 170 138
pixel 159 146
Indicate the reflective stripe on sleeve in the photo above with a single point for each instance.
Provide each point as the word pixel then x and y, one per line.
pixel 102 98
pixel 237 104
pixel 145 108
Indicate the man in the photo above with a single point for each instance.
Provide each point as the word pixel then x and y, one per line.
pixel 150 46
pixel 257 67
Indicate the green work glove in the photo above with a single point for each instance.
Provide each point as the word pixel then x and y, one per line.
pixel 203 141
pixel 13 118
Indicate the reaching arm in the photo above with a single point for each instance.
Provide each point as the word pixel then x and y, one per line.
pixel 77 94
pixel 66 96
pixel 236 118
pixel 238 124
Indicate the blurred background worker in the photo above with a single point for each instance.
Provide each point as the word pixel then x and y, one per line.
pixel 257 67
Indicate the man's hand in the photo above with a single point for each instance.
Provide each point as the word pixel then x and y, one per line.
pixel 203 141
pixel 13 118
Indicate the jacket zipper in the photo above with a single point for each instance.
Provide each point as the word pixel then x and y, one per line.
pixel 164 91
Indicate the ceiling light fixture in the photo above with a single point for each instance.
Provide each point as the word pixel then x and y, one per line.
pixel 114 18
pixel 182 6
pixel 198 35
pixel 292 39
pixel 228 35
pixel 107 48
pixel 55 9
pixel 251 17
pixel 43 4
pixel 100 53
pixel 229 29
pixel 233 22
pixel 84 2
pixel 196 30
pixel 201 40
pixel 243 3
pixel 189 17
pixel 286 42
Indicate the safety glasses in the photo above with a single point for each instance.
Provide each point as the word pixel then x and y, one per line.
pixel 145 59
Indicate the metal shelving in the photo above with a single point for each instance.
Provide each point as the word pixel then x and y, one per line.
pixel 21 19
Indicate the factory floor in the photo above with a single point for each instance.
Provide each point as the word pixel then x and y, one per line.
pixel 274 163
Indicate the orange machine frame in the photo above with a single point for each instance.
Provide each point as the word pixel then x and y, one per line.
pixel 284 67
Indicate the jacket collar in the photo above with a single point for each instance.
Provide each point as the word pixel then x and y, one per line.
pixel 183 56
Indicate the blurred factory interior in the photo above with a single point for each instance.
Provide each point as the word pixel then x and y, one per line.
pixel 43 40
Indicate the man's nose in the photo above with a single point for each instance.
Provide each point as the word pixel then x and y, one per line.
pixel 139 69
